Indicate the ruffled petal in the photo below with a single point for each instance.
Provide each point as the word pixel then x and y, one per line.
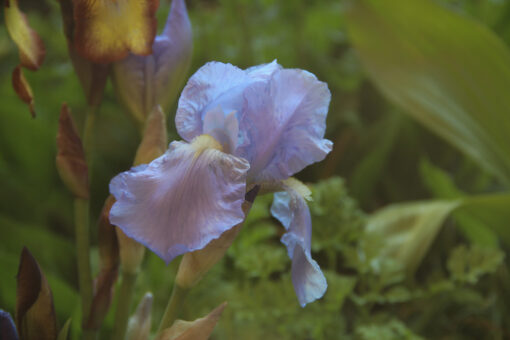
pixel 214 84
pixel 285 121
pixel 144 82
pixel 291 210
pixel 182 200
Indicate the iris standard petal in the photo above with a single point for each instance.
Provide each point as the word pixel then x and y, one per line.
pixel 143 82
pixel 291 210
pixel 263 71
pixel 285 121
pixel 182 200
pixel 214 84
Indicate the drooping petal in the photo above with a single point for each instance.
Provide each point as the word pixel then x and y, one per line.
pixel 146 81
pixel 183 199
pixel 285 121
pixel 291 210
pixel 214 84
pixel 107 30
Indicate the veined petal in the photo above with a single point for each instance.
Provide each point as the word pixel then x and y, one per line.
pixel 107 30
pixel 182 200
pixel 214 84
pixel 291 210
pixel 30 46
pixel 224 128
pixel 146 81
pixel 285 121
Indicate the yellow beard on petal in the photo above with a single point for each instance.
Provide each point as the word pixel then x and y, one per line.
pixel 204 142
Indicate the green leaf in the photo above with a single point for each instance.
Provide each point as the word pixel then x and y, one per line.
pixel 447 71
pixel 443 187
pixel 407 230
pixel 469 264
pixel 62 335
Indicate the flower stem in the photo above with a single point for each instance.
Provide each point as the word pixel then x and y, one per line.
pixel 174 307
pixel 81 216
pixel 127 288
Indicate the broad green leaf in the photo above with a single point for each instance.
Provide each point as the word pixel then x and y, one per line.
pixel 404 232
pixel 447 71
pixel 407 230
pixel 442 187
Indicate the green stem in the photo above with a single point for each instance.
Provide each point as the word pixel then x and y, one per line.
pixel 81 216
pixel 88 135
pixel 127 288
pixel 174 307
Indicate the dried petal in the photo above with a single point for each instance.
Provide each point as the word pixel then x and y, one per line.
pixel 107 30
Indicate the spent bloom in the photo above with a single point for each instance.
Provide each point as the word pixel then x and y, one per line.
pixel 241 128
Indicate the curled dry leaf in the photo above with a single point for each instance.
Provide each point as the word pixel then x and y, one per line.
pixel 35 314
pixel 200 329
pixel 71 163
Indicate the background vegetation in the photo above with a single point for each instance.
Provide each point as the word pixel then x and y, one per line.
pixel 384 282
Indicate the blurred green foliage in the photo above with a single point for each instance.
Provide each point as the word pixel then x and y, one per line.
pixel 461 288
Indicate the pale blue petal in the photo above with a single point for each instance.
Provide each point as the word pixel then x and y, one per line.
pixel 285 122
pixel 7 327
pixel 223 127
pixel 214 84
pixel 292 211
pixel 143 82
pixel 263 71
pixel 180 201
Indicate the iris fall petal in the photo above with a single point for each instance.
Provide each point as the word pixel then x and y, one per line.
pixel 182 200
pixel 291 210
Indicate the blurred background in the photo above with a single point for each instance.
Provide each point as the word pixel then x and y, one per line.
pixel 381 156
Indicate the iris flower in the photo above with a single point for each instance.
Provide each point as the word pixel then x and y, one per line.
pixel 241 128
